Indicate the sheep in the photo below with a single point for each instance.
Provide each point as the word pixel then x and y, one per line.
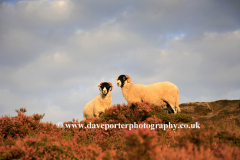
pixel 100 102
pixel 159 94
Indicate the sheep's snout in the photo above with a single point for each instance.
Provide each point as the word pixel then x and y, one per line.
pixel 118 83
pixel 104 90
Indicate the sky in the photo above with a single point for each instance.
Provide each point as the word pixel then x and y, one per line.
pixel 54 53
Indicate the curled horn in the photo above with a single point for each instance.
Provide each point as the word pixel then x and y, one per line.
pixel 111 86
pixel 100 85
pixel 128 79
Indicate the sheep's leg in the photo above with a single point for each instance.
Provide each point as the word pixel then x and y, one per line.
pixel 171 108
pixel 98 112
pixel 177 102
pixel 174 109
pixel 178 109
pixel 96 115
pixel 161 103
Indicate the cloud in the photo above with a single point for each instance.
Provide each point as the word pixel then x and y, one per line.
pixel 53 54
pixel 205 65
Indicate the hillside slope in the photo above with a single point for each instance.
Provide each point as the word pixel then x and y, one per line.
pixel 223 114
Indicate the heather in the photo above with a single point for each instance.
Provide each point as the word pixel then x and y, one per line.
pixel 26 137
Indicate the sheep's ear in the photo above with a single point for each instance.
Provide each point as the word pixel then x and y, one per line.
pixel 99 86
pixel 116 79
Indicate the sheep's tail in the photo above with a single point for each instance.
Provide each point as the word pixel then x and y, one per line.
pixel 177 102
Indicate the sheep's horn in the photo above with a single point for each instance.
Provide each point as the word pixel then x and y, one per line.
pixel 129 78
pixel 100 85
pixel 110 85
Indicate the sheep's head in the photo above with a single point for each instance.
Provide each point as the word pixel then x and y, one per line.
pixel 105 87
pixel 122 79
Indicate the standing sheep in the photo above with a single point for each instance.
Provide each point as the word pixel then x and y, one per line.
pixel 99 103
pixel 159 94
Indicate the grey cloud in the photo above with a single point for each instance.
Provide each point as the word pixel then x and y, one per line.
pixel 53 65
pixel 156 18
pixel 204 67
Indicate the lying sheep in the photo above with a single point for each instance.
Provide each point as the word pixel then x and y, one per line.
pixel 100 103
pixel 160 94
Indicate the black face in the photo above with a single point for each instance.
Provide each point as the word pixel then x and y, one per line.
pixel 122 78
pixel 105 85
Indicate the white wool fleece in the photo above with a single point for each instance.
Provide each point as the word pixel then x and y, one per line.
pixel 97 105
pixel 156 93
